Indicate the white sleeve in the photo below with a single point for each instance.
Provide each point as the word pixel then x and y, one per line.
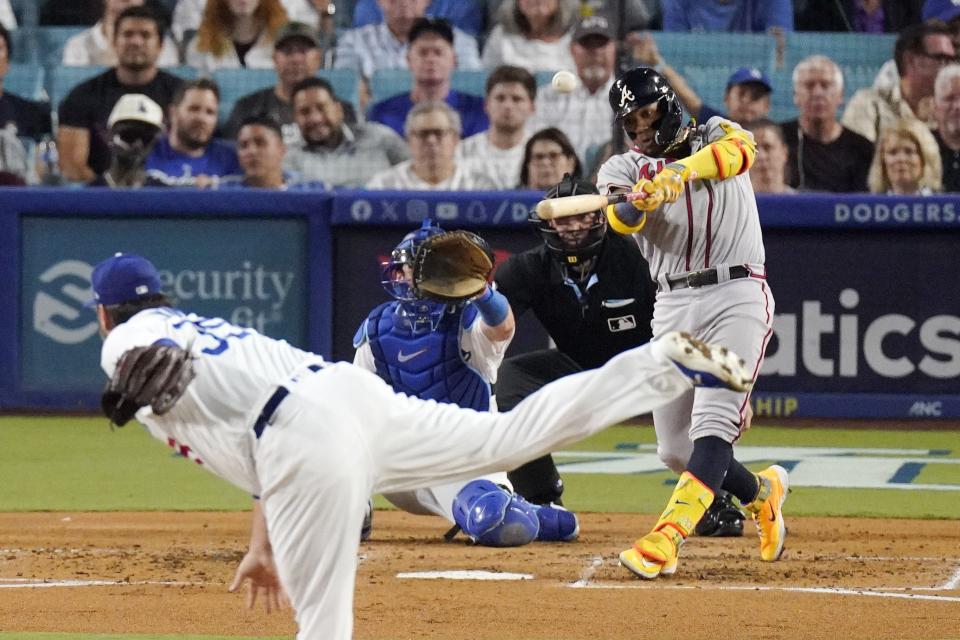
pixel 7 18
pixel 142 330
pixel 186 17
pixel 485 355
pixel 616 174
pixel 363 357
pixel 75 52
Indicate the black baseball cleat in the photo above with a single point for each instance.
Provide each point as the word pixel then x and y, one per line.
pixel 722 520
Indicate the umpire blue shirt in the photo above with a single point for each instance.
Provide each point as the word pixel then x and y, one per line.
pixel 174 168
pixel 393 112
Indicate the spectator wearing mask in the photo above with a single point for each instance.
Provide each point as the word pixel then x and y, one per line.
pixel 189 155
pixel 498 152
pixel 433 134
pixel 94 46
pixel 329 149
pixel 235 34
pixel 296 56
pixel 82 136
pixel 432 60
pixel 824 154
pixel 134 123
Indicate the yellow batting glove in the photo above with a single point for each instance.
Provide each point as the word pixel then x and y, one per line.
pixel 652 196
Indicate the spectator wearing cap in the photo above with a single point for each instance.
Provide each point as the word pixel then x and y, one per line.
pixel 340 154
pixel 433 133
pixel 18 115
pixel 535 35
pixel 858 16
pixel 134 124
pixel 756 16
pixel 919 53
pixel 576 113
pixel 236 35
pixel 823 155
pixel 511 93
pixel 946 100
pixel 188 155
pixel 375 47
pixel 94 46
pixel 296 55
pixel 261 151
pixel 82 136
pixel 431 59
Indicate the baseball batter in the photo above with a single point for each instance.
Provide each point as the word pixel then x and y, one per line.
pixel 697 225
pixel 451 353
pixel 314 439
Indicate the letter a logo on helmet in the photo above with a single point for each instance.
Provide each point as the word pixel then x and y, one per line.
pixel 626 96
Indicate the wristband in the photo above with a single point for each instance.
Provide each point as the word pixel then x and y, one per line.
pixel 493 307
pixel 625 219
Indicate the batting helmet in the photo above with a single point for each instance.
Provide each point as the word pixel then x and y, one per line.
pixel 396 274
pixel 563 246
pixel 642 86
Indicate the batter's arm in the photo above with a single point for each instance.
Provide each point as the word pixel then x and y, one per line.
pixel 729 156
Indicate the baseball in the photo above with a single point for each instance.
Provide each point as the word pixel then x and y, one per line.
pixel 564 82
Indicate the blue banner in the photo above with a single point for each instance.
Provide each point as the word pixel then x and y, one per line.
pixel 250 271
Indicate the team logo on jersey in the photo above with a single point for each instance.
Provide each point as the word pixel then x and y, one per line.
pixel 58 312
pixel 623 323
pixel 626 95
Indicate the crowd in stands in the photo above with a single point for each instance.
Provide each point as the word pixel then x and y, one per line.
pixel 151 111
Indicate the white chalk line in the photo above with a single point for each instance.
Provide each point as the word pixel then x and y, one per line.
pixel 34 583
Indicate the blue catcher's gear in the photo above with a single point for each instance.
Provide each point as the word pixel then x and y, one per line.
pixel 556 524
pixel 429 366
pixel 397 279
pixel 493 516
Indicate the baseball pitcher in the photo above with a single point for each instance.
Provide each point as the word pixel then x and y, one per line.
pixel 314 439
pixel 697 224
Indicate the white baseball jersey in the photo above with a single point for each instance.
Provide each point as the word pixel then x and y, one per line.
pixel 714 221
pixel 713 225
pixel 502 166
pixel 338 434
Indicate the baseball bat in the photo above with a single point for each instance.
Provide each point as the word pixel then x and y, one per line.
pixel 575 205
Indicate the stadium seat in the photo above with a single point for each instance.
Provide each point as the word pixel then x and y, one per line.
pixel 846 49
pixel 710 82
pixel 25 80
pixel 23 41
pixel 344 83
pixel 62 79
pixel 731 50
pixel 472 82
pixel 387 83
pixel 52 41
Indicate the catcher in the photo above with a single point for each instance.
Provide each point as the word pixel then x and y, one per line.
pixel 443 337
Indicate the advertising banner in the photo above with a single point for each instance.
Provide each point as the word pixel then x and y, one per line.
pixel 250 271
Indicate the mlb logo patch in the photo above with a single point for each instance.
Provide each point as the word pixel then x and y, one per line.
pixel 623 323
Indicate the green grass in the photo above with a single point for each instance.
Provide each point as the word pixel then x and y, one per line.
pixel 79 464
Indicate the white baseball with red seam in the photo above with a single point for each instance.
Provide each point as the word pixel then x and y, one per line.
pixel 564 82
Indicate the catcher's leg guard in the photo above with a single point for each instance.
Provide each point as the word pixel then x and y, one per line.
pixel 723 519
pixel 657 552
pixel 556 524
pixel 492 516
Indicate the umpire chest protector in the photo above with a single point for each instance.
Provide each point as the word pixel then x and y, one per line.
pixel 427 365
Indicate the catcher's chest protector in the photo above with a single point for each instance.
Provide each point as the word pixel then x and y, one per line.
pixel 429 366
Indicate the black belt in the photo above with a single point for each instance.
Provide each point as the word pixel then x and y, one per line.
pixel 270 407
pixel 705 277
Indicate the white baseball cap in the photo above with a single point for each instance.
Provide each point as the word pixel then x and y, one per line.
pixel 136 106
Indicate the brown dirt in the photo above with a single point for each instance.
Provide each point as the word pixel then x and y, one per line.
pixel 721 590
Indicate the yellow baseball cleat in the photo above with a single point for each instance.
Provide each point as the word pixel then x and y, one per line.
pixel 660 558
pixel 767 511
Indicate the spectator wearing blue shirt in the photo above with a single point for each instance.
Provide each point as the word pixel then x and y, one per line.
pixel 261 150
pixel 431 60
pixel 466 15
pixel 757 16
pixel 189 155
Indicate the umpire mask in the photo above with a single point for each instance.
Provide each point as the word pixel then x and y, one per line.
pixel 575 239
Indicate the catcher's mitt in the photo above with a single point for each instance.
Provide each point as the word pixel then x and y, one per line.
pixel 452 266
pixel 156 375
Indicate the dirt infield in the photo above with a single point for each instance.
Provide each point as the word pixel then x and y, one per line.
pixel 167 573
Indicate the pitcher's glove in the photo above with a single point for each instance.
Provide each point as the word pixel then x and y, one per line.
pixel 452 267
pixel 156 375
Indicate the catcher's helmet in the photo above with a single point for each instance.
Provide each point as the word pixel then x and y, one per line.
pixel 642 86
pixel 585 247
pixel 416 313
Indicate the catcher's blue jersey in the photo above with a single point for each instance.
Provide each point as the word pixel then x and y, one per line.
pixel 430 366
